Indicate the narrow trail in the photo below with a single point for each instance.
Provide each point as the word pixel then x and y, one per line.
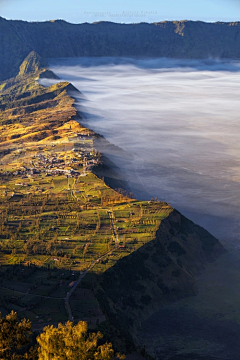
pixel 27 293
pixel 82 275
pixel 73 189
pixel 113 227
pixel 66 299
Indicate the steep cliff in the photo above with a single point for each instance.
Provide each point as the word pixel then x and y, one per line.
pixel 176 39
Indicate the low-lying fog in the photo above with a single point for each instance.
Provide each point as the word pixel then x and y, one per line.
pixel 180 119
pixel 179 124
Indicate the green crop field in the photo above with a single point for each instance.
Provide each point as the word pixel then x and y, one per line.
pixel 58 219
pixel 62 231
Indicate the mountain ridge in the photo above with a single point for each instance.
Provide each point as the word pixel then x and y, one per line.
pixel 58 38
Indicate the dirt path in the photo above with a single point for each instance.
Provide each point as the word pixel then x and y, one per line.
pixel 71 318
pixel 82 275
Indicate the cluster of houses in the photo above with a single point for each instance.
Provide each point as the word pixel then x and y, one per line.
pixel 58 164
pixel 24 172
pixel 70 172
pixel 44 162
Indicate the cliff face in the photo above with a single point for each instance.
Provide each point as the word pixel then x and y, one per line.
pixel 177 39
pixel 161 271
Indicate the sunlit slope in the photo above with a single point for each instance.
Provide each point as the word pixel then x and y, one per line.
pixel 29 112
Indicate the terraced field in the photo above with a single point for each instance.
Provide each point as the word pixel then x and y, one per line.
pixel 58 219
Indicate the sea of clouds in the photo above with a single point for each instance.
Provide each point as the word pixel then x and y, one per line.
pixel 179 124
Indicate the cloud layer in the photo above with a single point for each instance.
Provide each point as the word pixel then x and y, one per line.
pixel 179 120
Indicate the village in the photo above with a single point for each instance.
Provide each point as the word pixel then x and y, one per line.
pixel 71 162
pixel 58 219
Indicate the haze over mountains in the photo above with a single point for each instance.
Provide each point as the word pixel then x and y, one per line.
pixel 174 39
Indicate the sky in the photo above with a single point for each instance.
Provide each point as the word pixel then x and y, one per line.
pixel 79 11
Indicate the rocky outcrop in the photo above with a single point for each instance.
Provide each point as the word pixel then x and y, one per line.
pixel 32 64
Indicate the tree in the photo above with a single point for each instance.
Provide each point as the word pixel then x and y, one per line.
pixel 70 342
pixel 65 342
pixel 14 336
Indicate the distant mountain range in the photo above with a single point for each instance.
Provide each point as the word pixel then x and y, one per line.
pixel 175 39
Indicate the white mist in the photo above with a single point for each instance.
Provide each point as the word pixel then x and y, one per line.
pixel 180 120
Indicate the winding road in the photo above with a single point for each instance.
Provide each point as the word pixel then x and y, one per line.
pixel 81 276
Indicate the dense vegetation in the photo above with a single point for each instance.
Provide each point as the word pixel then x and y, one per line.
pixel 64 342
